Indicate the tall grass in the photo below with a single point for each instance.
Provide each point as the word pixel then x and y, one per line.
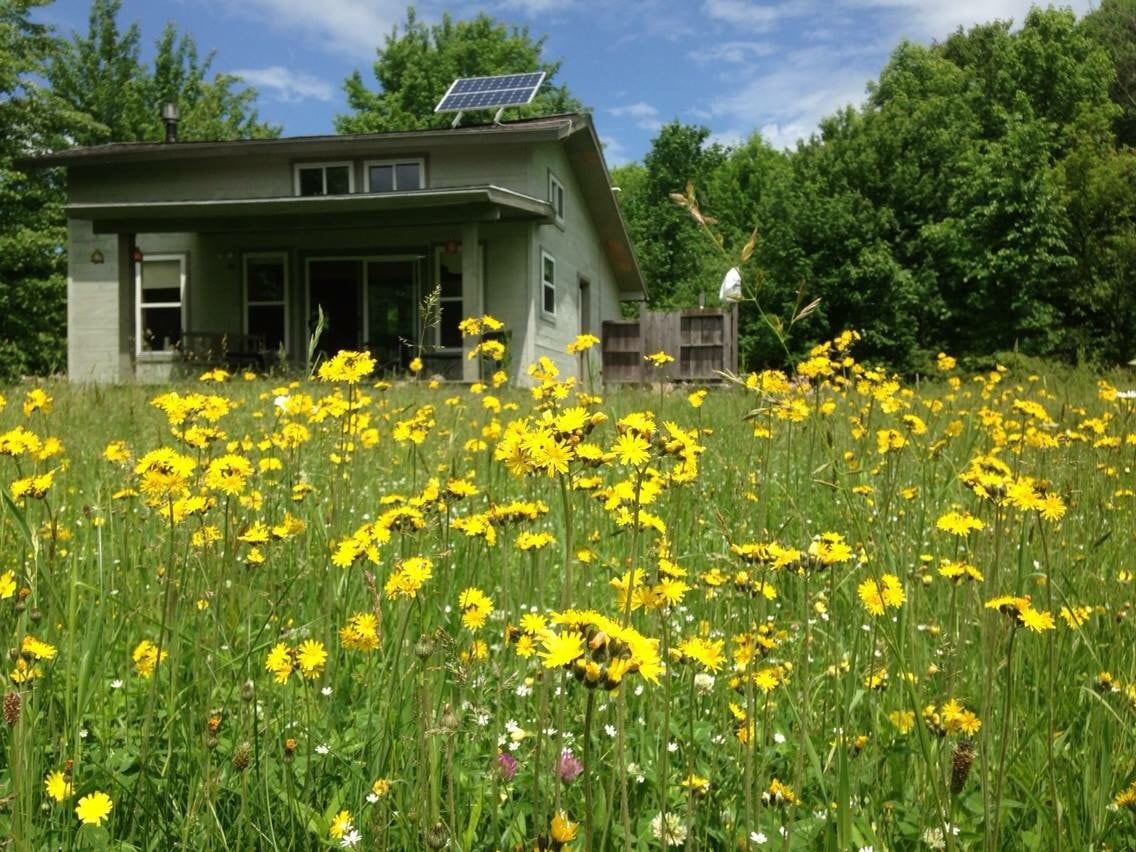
pixel 783 640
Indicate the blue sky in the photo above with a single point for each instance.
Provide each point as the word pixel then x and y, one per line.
pixel 736 66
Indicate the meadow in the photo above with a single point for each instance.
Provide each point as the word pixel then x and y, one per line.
pixel 818 608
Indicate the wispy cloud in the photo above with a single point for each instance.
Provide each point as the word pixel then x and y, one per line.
pixel 284 84
pixel 756 17
pixel 642 113
pixel 732 52
pixel 831 51
pixel 536 7
pixel 937 19
pixel 787 101
pixel 343 27
pixel 615 152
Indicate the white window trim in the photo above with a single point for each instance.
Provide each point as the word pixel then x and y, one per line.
pixel 324 166
pixel 544 285
pixel 282 256
pixel 151 354
pixel 398 161
pixel 554 184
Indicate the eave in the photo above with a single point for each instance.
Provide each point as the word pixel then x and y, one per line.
pixel 417 207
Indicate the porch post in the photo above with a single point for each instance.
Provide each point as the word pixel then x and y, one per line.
pixel 126 329
pixel 472 293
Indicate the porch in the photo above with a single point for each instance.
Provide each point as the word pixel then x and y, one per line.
pixel 168 276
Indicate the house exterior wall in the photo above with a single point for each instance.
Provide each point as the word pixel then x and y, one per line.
pixel 575 246
pixel 272 176
pixel 101 304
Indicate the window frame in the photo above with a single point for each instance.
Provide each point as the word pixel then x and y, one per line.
pixel 183 261
pixel 395 162
pixel 546 285
pixel 282 256
pixel 323 166
pixel 556 190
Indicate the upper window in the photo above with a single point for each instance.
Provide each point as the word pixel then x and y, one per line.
pixel 556 197
pixel 395 175
pixel 547 284
pixel 266 306
pixel 324 179
pixel 159 281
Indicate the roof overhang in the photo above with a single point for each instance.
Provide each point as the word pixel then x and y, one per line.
pixel 418 207
pixel 545 129
pixel 586 155
pixel 483 203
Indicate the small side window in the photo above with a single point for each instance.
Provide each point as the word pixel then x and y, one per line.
pixel 548 285
pixel 556 197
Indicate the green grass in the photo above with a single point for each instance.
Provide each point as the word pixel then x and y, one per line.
pixel 210 752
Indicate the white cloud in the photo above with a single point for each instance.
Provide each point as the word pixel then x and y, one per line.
pixel 735 52
pixel 286 85
pixel 788 100
pixel 642 113
pixel 343 27
pixel 615 152
pixel 784 94
pixel 536 7
pixel 937 19
pixel 758 17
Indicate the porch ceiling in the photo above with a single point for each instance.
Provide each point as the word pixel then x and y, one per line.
pixel 394 209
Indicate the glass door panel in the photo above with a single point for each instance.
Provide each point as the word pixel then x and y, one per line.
pixel 390 310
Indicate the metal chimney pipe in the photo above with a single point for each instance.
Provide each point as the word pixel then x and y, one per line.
pixel 170 116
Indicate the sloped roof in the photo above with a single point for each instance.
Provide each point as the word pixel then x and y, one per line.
pixel 574 130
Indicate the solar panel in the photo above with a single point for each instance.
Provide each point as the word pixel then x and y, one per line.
pixel 490 92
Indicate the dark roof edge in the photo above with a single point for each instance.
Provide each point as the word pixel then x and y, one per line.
pixel 550 127
pixel 609 198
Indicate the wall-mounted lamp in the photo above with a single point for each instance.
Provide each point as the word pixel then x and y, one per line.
pixel 136 254
pixel 97 257
pixel 228 257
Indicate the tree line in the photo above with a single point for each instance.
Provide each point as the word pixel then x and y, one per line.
pixel 87 89
pixel 982 199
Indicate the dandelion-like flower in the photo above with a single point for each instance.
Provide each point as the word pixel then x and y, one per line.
pixel 348 367
pixel 880 595
pixel 94 809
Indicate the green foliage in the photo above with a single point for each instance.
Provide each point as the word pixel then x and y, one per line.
pixel 222 641
pixel 415 67
pixel 98 91
pixel 1113 25
pixel 674 257
pixel 980 200
pixel 32 263
pixel 101 74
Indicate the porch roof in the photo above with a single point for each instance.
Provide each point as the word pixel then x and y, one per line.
pixel 486 203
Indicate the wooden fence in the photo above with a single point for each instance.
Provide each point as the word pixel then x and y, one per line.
pixel 702 342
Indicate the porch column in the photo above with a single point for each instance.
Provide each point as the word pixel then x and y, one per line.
pixel 126 306
pixel 473 303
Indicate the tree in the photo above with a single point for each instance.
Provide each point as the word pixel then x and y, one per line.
pixel 414 69
pixel 101 74
pixel 677 260
pixel 99 92
pixel 1113 26
pixel 217 108
pixel 32 264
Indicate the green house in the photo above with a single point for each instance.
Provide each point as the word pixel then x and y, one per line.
pixel 238 245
